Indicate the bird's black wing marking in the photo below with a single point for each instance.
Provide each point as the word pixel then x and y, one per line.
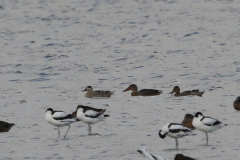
pixel 69 116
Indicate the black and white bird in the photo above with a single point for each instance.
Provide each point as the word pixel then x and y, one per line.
pixel 206 124
pixel 175 130
pixel 59 119
pixel 90 115
pixel 150 156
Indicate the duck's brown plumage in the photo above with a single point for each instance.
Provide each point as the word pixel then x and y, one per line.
pixel 176 90
pixel 143 92
pixel 98 93
pixel 5 127
pixel 187 122
pixel 74 114
pixel 236 104
pixel 182 157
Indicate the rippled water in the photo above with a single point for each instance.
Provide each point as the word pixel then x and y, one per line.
pixel 52 50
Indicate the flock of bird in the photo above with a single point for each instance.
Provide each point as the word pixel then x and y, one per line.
pixel 86 114
pixel 90 116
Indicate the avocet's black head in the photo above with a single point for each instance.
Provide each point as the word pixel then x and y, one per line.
pixel 79 106
pixel 49 109
pixel 139 151
pixel 198 113
pixel 162 135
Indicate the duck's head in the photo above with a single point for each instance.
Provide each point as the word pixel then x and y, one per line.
pixel 175 89
pixel 188 116
pixel 238 99
pixel 88 88
pixel 132 87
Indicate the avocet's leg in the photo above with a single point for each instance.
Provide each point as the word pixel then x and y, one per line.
pixel 206 138
pixel 67 131
pixel 89 129
pixel 176 143
pixel 58 133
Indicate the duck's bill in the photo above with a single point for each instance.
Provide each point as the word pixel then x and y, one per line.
pixel 126 90
pixel 171 92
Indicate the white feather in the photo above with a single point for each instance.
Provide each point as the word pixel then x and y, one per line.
pixel 178 126
pixel 91 113
pixel 209 121
pixel 59 114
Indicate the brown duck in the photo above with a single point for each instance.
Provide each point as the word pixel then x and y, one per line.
pixel 236 104
pixel 182 157
pixel 5 127
pixel 196 92
pixel 90 93
pixel 187 122
pixel 143 92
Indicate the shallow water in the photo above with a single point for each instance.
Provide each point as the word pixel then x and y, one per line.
pixel 50 51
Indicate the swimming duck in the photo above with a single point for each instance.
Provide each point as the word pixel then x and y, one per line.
pixel 187 122
pixel 236 104
pixel 196 92
pixel 5 127
pixel 143 92
pixel 98 93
